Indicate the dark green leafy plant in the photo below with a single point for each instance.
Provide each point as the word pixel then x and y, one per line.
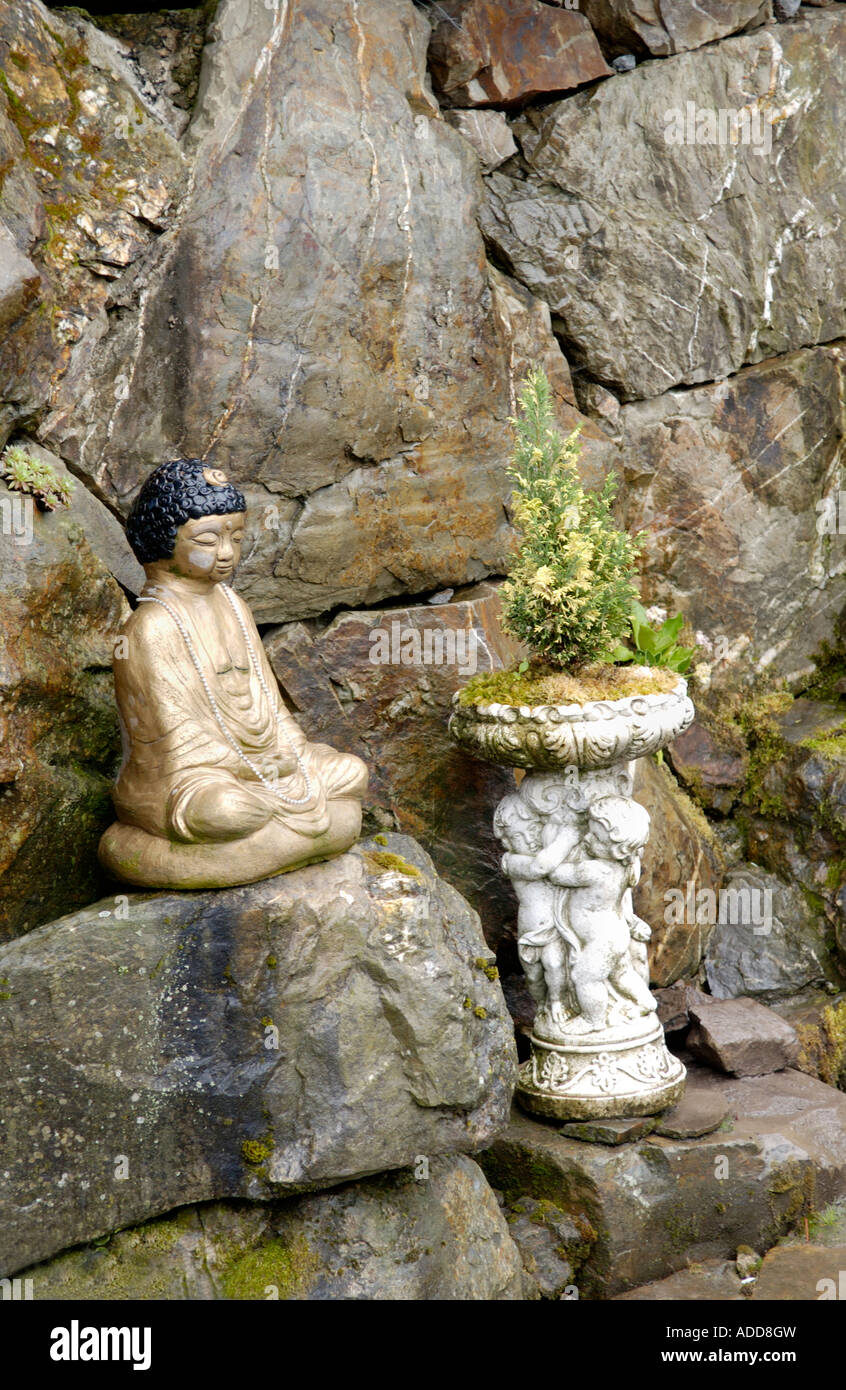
pixel 571 587
pixel 23 473
pixel 655 646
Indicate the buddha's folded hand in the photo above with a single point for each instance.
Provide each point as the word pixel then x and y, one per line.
pixel 227 811
pixel 281 764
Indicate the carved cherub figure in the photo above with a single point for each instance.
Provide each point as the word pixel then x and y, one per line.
pixel 599 910
pixel 542 951
pixel 540 828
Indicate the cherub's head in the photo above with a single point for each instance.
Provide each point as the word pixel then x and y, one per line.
pixel 517 826
pixel 617 828
pixel 188 519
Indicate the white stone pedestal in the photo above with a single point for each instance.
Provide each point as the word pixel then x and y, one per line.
pixel 623 1071
pixel 573 838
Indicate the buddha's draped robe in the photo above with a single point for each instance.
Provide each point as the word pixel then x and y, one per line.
pixel 173 745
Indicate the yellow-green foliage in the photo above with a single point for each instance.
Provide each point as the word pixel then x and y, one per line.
pixel 571 585
pixel 823 1046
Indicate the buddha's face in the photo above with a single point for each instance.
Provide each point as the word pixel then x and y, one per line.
pixel 208 548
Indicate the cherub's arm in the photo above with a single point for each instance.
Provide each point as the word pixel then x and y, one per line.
pixel 557 850
pixel 520 866
pixel 640 930
pixel 579 875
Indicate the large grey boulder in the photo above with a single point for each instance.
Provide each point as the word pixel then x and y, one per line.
pixel 164 1049
pixel 103 531
pixel 677 262
pixel 434 1233
pixel 19 279
pixel 767 942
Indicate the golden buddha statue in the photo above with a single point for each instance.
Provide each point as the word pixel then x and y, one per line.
pixel 219 784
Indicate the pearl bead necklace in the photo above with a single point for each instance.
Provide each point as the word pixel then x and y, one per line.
pixel 265 781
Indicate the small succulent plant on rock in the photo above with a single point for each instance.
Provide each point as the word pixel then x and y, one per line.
pixel 21 472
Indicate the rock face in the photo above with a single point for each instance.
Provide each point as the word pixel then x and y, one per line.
pixel 662 27
pixel 488 132
pixel 380 684
pixel 91 174
pixel 651 1208
pixel 552 1246
pixel 437 1236
pixel 295 1033
pixel 712 475
pixel 304 328
pixel 808 781
pixel 670 253
pixel 714 773
pixel 60 611
pixel 767 942
pixel 820 1023
pixel 741 1037
pixel 800 797
pixel 681 851
pixel 19 279
pixel 506 52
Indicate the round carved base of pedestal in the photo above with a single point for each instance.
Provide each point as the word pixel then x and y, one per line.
pixel 600 1076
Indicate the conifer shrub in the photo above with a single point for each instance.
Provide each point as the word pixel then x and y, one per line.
pixel 571 587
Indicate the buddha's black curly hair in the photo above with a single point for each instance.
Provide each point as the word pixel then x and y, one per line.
pixel 174 493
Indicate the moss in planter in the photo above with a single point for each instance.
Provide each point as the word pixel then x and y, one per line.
pixel 543 684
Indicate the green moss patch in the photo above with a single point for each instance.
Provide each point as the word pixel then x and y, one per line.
pixel 386 860
pixel 257 1151
pixel 276 1270
pixel 543 684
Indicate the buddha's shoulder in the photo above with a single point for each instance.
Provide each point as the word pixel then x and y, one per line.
pixel 149 622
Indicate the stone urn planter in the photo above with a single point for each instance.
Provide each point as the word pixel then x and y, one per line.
pixel 574 837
